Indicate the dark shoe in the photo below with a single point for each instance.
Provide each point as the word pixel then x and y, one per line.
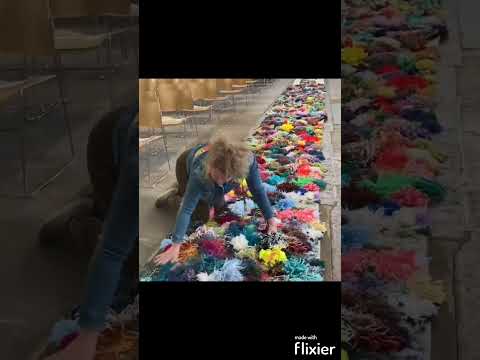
pixel 57 230
pixel 84 232
pixel 168 199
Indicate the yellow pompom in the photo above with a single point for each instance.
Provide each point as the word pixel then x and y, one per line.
pixel 272 257
pixel 353 55
pixel 386 91
pixel 287 127
pixel 319 226
pixel 425 65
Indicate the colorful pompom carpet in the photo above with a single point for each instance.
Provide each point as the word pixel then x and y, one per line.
pixel 390 170
pixel 236 247
pixel 117 341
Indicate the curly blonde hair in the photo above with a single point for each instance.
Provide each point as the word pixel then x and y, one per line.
pixel 230 157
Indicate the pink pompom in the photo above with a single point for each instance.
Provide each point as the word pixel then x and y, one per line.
pixel 410 197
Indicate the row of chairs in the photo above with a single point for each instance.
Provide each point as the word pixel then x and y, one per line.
pixel 168 103
pixel 34 39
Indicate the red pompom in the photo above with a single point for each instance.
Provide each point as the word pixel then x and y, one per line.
pixel 215 248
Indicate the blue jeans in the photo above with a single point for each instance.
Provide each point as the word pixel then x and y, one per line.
pixel 120 231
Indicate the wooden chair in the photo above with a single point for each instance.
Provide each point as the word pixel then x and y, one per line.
pixel 68 42
pixel 253 84
pixel 169 99
pixel 25 32
pixel 203 92
pixel 187 102
pixel 150 120
pixel 151 112
pixel 214 97
pixel 245 85
pixel 224 87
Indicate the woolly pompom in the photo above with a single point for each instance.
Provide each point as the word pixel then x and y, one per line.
pixel 285 204
pixel 276 180
pixel 204 277
pixel 298 247
pixel 312 187
pixel 202 233
pixel 208 264
pixel 241 208
pixel 215 248
pixel 308 277
pixel 162 272
pixel 251 234
pixel 313 234
pixel 285 215
pixel 234 229
pixel 252 270
pixel 182 273
pixel 272 257
pixel 247 253
pixel 275 197
pixel 188 251
pixel 306 215
pixel 288 187
pixel 319 226
pixel 295 267
pixel 231 271
pixel 239 242
pixel 62 329
pixel 165 244
pixel 296 234
pixel 269 188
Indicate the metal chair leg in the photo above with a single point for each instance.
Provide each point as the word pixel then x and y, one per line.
pixel 22 144
pixel 63 99
pixel 194 120
pixel 110 70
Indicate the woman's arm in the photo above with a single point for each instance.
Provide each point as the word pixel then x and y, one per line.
pixel 189 203
pixel 119 236
pixel 255 186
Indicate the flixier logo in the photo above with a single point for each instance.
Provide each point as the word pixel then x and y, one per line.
pixel 306 348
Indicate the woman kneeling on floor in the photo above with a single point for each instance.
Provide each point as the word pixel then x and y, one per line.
pixel 205 173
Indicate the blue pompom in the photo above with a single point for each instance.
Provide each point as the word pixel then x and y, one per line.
pixel 61 329
pixel 165 243
pixel 285 204
pixel 269 188
pixel 231 271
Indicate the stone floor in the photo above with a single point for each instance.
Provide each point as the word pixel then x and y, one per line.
pixel 456 243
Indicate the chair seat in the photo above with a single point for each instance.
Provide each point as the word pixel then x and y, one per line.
pixel 220 98
pixel 202 108
pixel 230 92
pixel 70 40
pixel 11 88
pixel 172 121
pixel 134 12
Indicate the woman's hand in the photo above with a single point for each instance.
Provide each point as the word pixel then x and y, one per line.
pixel 82 348
pixel 170 255
pixel 272 225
